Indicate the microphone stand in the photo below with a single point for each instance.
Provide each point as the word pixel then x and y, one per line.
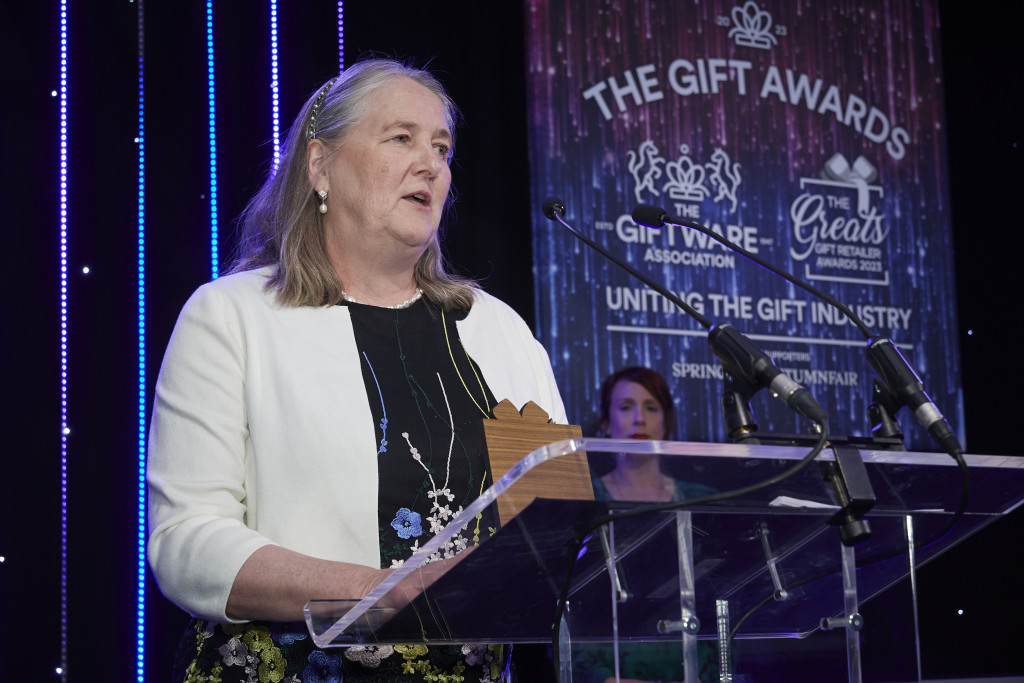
pixel 739 357
pixel 746 373
pixel 895 384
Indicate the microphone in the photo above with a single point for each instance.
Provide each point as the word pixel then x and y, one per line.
pixel 552 207
pixel 893 374
pixel 738 355
pixel 651 216
pixel 742 359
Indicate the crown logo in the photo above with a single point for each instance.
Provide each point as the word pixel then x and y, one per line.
pixel 752 26
pixel 686 179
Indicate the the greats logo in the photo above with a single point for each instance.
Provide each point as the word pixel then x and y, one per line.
pixel 839 230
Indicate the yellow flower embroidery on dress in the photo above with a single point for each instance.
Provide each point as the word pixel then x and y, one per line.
pixel 435 675
pixel 413 656
pixel 272 665
pixel 497 660
pixel 479 516
pixel 415 664
pixel 191 673
pixel 234 629
pixel 456 676
pixel 257 639
pixel 192 676
pixel 411 651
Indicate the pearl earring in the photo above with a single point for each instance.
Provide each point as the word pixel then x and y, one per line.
pixel 323 200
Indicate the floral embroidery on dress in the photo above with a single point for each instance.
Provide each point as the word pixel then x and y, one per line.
pixel 407 523
pixel 322 668
pixel 285 637
pixel 271 667
pixel 249 646
pixel 369 656
pixel 488 656
pixel 384 420
pixel 233 652
pixel 415 662
pixel 193 676
pixel 421 488
pixel 440 514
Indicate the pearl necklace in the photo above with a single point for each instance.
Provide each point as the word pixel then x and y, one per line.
pixel 405 304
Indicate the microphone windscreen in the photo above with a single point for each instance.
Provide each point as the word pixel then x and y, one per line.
pixel 553 206
pixel 651 216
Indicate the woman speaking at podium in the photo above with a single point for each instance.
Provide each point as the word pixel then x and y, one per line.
pixel 318 414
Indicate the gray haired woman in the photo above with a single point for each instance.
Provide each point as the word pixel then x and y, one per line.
pixel 319 411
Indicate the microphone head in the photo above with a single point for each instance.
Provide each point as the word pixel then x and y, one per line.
pixel 651 216
pixel 553 206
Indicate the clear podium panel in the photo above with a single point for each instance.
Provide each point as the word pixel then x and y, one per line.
pixel 775 548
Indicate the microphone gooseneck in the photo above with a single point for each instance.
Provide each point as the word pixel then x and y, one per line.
pixel 893 373
pixel 655 217
pixel 737 353
pixel 554 209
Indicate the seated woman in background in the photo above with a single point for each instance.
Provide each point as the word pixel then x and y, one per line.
pixel 636 404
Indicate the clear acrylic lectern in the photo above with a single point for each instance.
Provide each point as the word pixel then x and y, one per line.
pixel 682 575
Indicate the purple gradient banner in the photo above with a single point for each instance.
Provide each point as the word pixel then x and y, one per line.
pixel 809 133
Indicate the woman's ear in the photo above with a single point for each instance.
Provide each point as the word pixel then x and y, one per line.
pixel 316 164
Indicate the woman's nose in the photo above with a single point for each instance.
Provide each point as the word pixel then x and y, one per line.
pixel 428 160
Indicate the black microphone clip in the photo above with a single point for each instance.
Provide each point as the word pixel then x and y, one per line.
pixel 894 373
pixel 740 358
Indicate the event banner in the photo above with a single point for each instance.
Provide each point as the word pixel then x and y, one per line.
pixel 810 134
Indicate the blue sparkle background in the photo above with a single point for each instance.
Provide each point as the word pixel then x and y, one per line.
pixel 873 74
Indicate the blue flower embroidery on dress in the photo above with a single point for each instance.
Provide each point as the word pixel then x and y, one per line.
pixel 285 637
pixel 322 668
pixel 407 523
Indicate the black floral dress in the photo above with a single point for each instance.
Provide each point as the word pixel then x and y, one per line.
pixel 428 400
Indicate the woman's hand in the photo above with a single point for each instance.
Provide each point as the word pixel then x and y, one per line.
pixel 420 580
pixel 275 584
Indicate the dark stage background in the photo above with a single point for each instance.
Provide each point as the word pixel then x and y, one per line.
pixel 477 49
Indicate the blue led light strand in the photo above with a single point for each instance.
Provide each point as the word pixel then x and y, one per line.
pixel 275 111
pixel 211 90
pixel 341 36
pixel 64 431
pixel 140 567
